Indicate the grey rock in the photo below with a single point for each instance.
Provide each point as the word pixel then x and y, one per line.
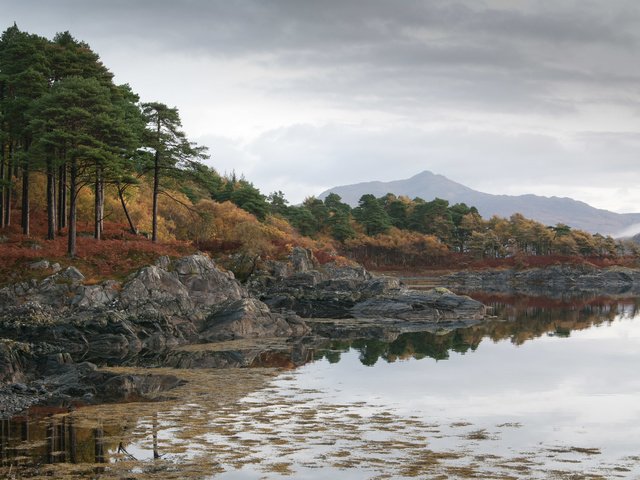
pixel 302 260
pixel 40 265
pixel 96 295
pixel 558 280
pixel 333 291
pixel 431 306
pixel 163 262
pixel 71 274
pixel 249 318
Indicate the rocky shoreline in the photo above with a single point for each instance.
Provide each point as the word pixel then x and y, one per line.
pixel 557 280
pixel 55 333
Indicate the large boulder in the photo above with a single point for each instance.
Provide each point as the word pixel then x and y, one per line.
pixel 249 318
pixel 436 305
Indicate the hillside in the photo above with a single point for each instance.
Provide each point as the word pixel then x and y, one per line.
pixel 547 210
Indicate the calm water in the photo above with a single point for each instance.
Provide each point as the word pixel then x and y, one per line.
pixel 545 390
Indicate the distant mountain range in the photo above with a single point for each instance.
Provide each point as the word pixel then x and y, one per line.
pixel 547 210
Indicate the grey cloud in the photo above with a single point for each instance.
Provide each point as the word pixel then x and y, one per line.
pixel 410 60
pixel 399 54
pixel 304 160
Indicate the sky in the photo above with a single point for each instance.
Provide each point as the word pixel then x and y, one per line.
pixel 503 96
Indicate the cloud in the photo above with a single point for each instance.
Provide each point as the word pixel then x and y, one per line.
pixel 506 97
pixel 303 160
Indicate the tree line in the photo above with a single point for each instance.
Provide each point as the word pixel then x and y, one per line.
pixel 62 115
pixel 402 231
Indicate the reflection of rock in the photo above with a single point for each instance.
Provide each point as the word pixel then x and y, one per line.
pixel 259 352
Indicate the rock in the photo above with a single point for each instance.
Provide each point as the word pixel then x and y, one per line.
pixel 41 265
pixel 249 318
pixel 559 279
pixel 163 262
pixel 56 267
pixel 96 295
pixel 431 306
pixel 71 274
pixel 302 260
pixel 207 285
pixel 155 289
pixel 339 292
pixel 47 325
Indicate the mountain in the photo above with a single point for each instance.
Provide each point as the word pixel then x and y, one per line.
pixel 547 210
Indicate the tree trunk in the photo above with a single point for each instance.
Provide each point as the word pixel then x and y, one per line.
pixel 71 243
pixel 62 197
pixel 25 199
pixel 132 227
pixel 98 205
pixel 51 200
pixel 156 187
pixel 5 154
pixel 7 198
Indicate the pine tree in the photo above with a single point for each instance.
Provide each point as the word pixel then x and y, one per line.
pixel 371 215
pixel 170 147
pixel 77 116
pixel 24 74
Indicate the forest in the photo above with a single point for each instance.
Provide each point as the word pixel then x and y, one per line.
pixel 85 162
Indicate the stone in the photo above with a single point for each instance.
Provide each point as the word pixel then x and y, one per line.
pixel 40 265
pixel 249 318
pixel 302 260
pixel 71 274
pixel 163 262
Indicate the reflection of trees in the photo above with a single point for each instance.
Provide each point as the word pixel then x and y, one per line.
pixel 519 321
pixel 47 435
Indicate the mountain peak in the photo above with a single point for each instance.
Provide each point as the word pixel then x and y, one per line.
pixel 548 210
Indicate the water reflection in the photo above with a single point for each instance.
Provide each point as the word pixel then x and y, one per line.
pixel 517 319
pixel 542 387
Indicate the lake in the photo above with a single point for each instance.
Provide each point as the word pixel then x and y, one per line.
pixel 547 388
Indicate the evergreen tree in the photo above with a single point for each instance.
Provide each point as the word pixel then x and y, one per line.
pixel 249 198
pixel 77 116
pixel 371 215
pixel 24 74
pixel 170 147
pixel 278 204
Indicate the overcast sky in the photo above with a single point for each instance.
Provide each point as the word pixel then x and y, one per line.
pixel 504 96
